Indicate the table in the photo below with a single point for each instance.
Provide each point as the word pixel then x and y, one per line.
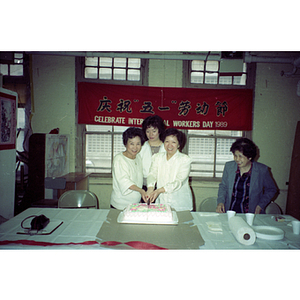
pixel 75 181
pixel 226 240
pixel 82 225
pixel 79 225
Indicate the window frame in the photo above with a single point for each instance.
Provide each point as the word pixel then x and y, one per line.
pixel 113 133
pixel 186 78
pixel 15 79
pixel 80 65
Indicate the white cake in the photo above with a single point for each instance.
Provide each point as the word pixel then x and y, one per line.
pixel 152 213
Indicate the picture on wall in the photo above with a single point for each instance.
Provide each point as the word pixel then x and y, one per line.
pixel 57 155
pixel 8 121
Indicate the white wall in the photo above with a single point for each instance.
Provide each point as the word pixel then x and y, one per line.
pixel 7 182
pixel 276 113
pixel 53 98
pixel 165 73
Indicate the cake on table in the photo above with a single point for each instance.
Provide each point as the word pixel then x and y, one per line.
pixel 148 213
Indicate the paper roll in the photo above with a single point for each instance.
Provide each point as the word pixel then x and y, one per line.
pixel 243 233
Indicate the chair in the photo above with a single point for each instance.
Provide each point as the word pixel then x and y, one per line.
pixel 273 208
pixel 208 204
pixel 78 199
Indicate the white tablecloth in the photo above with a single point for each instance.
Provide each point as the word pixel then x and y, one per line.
pixel 80 225
pixel 226 240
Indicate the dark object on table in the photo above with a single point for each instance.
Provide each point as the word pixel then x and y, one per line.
pixel 39 222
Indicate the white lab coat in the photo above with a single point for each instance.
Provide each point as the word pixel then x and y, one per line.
pixel 146 155
pixel 126 172
pixel 173 176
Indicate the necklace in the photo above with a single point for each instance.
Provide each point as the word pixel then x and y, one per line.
pixel 154 149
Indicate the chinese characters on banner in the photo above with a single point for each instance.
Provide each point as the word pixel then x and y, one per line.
pixel 182 108
pixel 8 120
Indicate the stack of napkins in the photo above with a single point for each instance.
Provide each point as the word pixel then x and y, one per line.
pixel 214 226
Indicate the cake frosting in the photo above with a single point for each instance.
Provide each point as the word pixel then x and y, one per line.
pixel 150 213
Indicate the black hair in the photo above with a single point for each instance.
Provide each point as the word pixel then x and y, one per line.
pixel 131 133
pixel 179 134
pixel 156 122
pixel 245 146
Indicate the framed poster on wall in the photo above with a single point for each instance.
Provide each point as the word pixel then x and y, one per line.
pixel 8 125
pixel 8 119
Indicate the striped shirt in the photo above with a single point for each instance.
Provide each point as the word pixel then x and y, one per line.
pixel 240 194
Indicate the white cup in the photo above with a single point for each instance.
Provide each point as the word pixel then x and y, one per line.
pixel 296 227
pixel 250 218
pixel 230 213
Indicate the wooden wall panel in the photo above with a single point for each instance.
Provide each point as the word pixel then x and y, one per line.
pixel 293 198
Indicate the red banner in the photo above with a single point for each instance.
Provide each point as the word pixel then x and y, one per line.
pixel 182 108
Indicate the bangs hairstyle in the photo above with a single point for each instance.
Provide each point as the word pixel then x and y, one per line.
pixel 156 122
pixel 131 133
pixel 179 134
pixel 245 146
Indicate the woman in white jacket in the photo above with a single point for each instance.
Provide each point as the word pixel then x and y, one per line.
pixel 153 128
pixel 170 171
pixel 127 171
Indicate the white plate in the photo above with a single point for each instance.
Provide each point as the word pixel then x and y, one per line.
pixel 269 232
pixel 173 222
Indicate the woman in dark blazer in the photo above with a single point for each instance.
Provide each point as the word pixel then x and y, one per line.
pixel 247 186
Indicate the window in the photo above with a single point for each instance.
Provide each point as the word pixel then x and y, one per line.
pixel 113 68
pixel 12 63
pixel 100 140
pixel 20 129
pixel 218 72
pixel 15 69
pixel 210 150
